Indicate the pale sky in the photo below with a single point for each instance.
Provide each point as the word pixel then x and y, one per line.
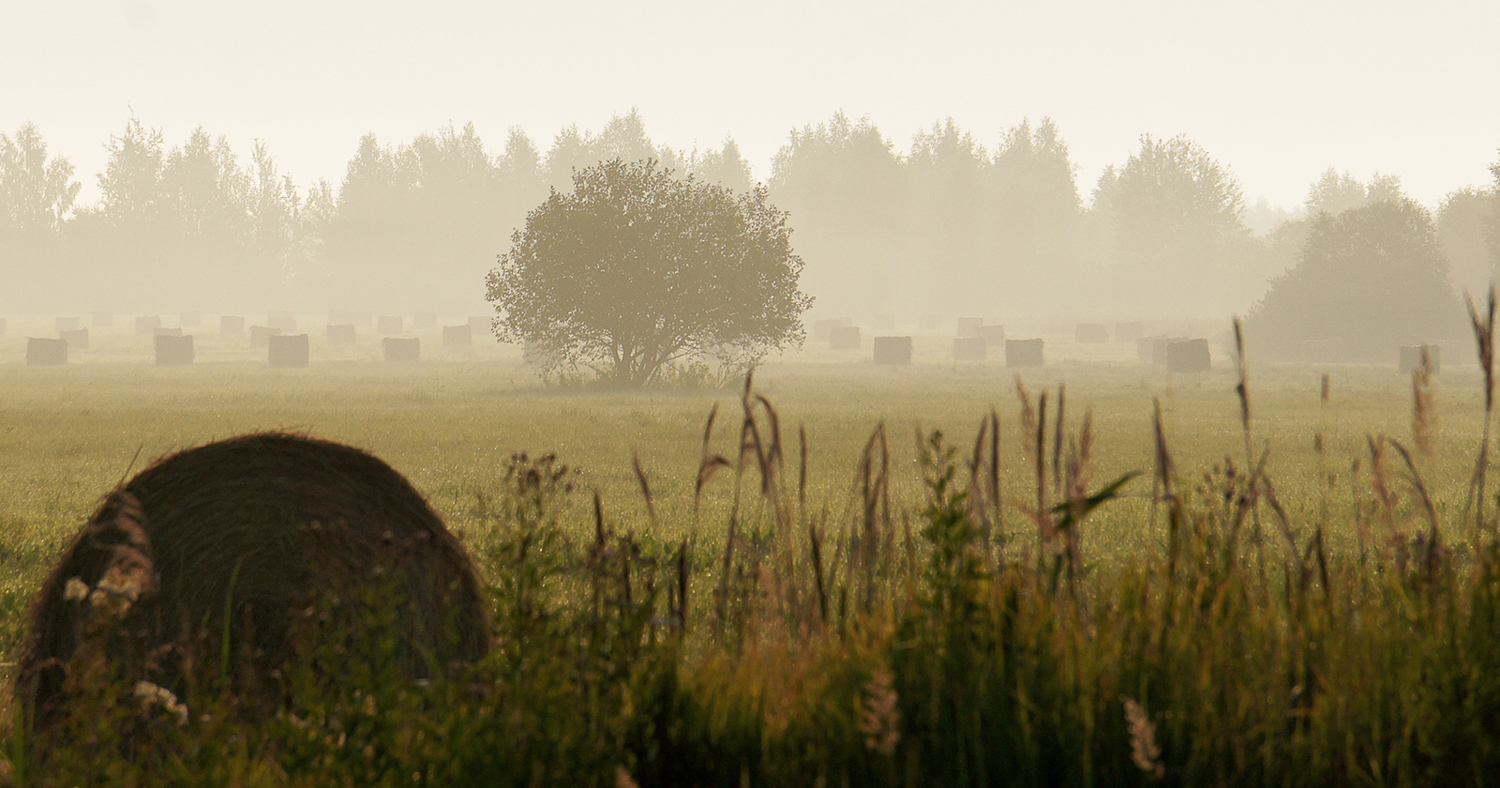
pixel 1277 90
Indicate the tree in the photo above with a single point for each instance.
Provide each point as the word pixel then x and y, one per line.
pixel 1036 230
pixel 1178 228
pixel 36 195
pixel 1461 226
pixel 1371 278
pixel 636 271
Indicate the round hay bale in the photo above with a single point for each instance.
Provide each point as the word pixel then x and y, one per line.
pixel 289 546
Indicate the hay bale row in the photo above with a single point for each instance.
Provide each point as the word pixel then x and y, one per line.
pixel 892 351
pixel 1023 353
pixel 1153 350
pixel 823 329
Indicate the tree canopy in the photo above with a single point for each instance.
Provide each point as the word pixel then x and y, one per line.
pixel 1371 279
pixel 636 271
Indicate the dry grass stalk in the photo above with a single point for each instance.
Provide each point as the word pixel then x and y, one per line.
pixel 1484 337
pixel 997 511
pixel 1162 487
pixel 1423 415
pixel 640 476
pixel 1057 440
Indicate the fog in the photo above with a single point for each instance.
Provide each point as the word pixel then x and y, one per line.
pixel 964 158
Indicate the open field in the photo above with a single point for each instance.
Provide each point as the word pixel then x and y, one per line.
pixel 452 422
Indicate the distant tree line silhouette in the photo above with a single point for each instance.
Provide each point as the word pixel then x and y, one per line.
pixel 950 226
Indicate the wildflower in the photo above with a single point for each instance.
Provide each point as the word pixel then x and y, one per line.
pixel 879 719
pixel 151 694
pixel 1143 750
pixel 75 590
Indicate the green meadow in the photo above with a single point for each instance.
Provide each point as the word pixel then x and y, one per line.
pixel 1269 610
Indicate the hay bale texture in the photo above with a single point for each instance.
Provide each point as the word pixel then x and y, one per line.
pixel 174 350
pixel 1090 333
pixel 285 351
pixel 893 351
pixel 78 338
pixel 1188 355
pixel 401 349
pixel 1023 352
pixel 844 338
pixel 458 336
pixel 282 543
pixel 1409 359
pixel 46 352
pixel 341 334
pixel 970 349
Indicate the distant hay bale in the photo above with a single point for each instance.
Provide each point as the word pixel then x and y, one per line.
pixel 146 325
pixel 970 349
pixel 969 326
pixel 61 324
pixel 844 338
pixel 190 319
pixel 260 336
pixel 390 325
pixel 892 351
pixel 1188 355
pixel 424 320
pixel 458 336
pixel 46 352
pixel 1409 358
pixel 1153 350
pixel 174 349
pixel 994 336
pixel 1129 332
pixel 294 549
pixel 231 326
pixel 341 334
pixel 163 331
pixel 1023 353
pixel 78 338
pixel 285 351
pixel 883 321
pixel 402 349
pixel 102 320
pixel 1090 333
pixel 282 319
pixel 823 329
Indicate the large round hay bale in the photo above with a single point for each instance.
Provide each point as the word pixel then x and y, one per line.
pixel 287 545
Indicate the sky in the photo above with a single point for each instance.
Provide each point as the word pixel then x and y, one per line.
pixel 1276 90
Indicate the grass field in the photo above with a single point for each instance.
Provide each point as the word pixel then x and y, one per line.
pixel 452 422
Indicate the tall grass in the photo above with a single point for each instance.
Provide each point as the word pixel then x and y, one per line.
pixel 863 642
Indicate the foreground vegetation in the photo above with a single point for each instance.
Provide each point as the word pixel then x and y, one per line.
pixel 755 602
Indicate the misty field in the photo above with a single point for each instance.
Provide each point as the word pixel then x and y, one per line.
pixel 453 422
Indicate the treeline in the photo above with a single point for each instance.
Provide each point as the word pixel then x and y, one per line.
pixel 949 226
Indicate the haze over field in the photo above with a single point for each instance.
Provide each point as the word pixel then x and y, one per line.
pixel 1278 90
